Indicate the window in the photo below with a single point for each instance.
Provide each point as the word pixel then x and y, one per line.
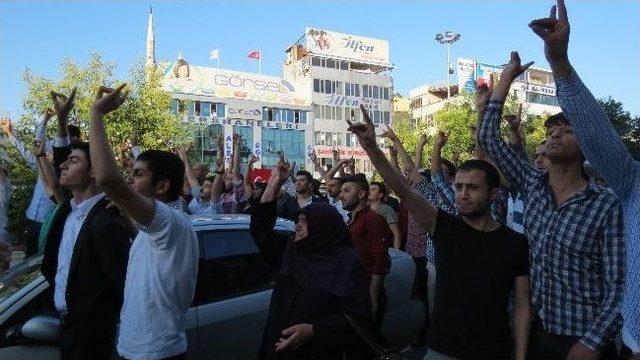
pixel 175 106
pixel 230 265
pixel 289 140
pixel 331 63
pixel 339 87
pixel 191 108
pixel 303 117
pixel 205 109
pixel 316 85
pixel 386 93
pixel 347 89
pixel 219 110
pixel 344 65
pixel 315 61
pixel 365 91
pixel 290 116
pixel 376 94
pixel 357 88
pixel 327 86
pixel 542 99
pixel 387 118
pixel 197 108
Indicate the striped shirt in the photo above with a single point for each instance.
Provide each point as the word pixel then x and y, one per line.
pixel 576 249
pixel 603 148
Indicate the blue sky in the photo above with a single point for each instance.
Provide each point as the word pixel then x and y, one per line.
pixel 604 48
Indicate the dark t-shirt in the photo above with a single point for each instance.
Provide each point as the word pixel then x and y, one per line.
pixel 475 271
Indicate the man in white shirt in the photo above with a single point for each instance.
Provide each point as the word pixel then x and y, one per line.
pixel 163 261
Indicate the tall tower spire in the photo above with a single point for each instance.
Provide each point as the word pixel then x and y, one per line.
pixel 151 41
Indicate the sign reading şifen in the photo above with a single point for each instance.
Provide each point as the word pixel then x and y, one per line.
pixel 348 47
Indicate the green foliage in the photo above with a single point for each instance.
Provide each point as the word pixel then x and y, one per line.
pixel 147 113
pixel 626 126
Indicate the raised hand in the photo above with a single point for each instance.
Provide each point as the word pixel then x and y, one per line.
pixel 336 154
pixel 555 33
pixel 313 157
pixel 514 120
pixel 365 131
pixel 108 100
pixel 253 159
pixel 63 104
pixel 514 68
pixel 38 147
pixel 183 152
pixel 441 139
pixel 390 134
pixel 6 126
pixel 482 95
pixel 422 140
pixel 393 151
pixel 236 139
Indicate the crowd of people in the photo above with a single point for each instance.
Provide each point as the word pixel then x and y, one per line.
pixel 515 257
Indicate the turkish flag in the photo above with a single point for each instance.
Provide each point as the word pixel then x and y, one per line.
pixel 254 55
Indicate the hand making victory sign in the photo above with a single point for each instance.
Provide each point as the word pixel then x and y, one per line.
pixel 554 31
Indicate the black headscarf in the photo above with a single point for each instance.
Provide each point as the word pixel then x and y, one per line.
pixel 326 259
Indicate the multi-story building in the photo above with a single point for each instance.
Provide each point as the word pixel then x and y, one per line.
pixel 327 75
pixel 339 72
pixel 269 113
pixel 535 89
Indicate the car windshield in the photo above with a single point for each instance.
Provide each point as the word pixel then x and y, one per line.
pixel 16 278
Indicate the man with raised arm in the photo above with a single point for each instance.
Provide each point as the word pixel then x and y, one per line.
pixel 604 149
pixel 575 232
pixel 478 260
pixel 163 261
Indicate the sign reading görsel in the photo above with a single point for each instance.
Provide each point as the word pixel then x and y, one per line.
pixel 345 46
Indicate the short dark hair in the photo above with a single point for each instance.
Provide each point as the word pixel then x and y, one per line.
pixel 358 179
pixel 450 167
pixel 381 186
pixel 306 174
pixel 165 166
pixel 74 131
pixel 84 147
pixel 556 119
pixel 491 174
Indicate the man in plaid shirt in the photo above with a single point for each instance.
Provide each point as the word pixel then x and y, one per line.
pixel 575 233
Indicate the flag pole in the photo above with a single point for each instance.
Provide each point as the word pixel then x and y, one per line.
pixel 259 62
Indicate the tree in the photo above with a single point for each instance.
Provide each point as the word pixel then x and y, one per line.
pixel 147 113
pixel 626 126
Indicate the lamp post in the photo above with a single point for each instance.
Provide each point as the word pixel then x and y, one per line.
pixel 449 37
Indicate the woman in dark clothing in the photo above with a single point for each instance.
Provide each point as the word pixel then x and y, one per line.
pixel 320 280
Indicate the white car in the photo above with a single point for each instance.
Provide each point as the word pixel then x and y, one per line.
pixel 230 307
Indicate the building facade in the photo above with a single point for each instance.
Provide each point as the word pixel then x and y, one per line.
pixel 535 89
pixel 326 76
pixel 269 113
pixel 338 72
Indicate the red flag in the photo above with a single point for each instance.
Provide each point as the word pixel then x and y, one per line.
pixel 254 55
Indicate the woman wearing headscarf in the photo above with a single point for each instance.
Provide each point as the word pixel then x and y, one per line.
pixel 320 280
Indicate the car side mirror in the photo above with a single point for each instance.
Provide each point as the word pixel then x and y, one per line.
pixel 43 329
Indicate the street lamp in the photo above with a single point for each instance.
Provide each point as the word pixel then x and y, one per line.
pixel 449 37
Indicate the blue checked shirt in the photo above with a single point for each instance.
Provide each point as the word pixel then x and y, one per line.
pixel 603 148
pixel 576 250
pixel 435 197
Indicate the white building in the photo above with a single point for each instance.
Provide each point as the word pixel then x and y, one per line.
pixel 535 89
pixel 338 72
pixel 326 76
